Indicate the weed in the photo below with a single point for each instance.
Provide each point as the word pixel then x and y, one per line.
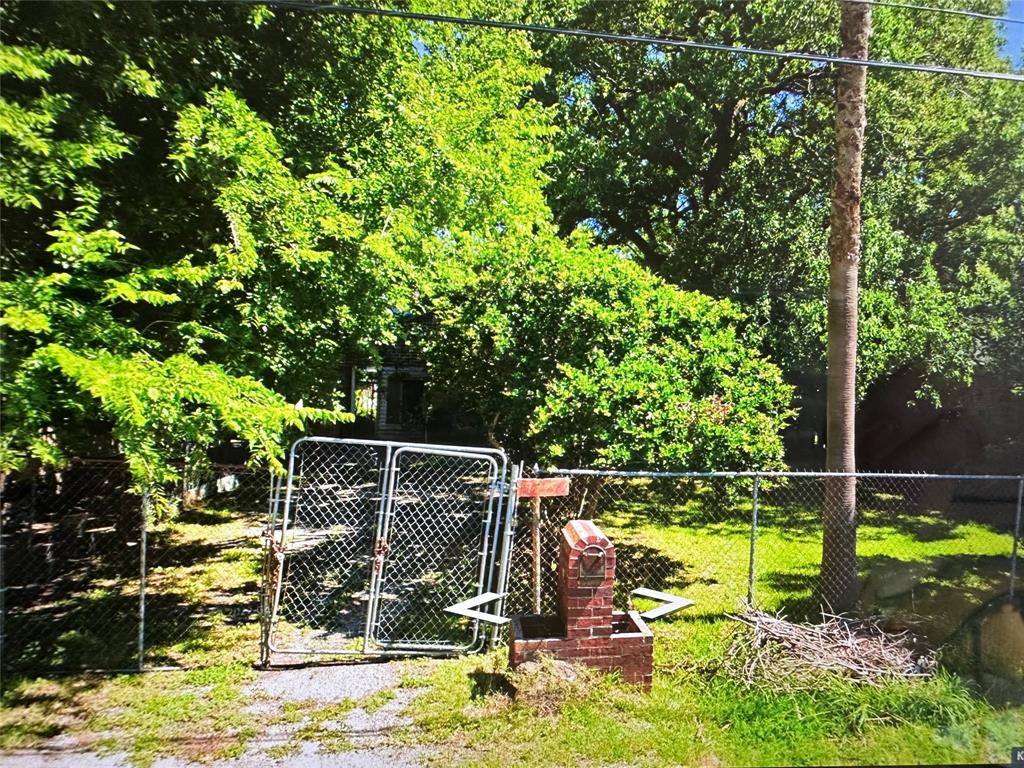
pixel 546 685
pixel 322 725
pixel 281 751
pixel 377 700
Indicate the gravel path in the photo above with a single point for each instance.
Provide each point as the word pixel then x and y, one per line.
pixel 355 680
pixel 367 730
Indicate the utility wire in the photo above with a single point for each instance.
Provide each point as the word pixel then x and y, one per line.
pixel 624 38
pixel 935 9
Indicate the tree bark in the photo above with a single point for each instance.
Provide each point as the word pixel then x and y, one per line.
pixel 839 584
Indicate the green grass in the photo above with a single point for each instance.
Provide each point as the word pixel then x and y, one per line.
pixel 701 545
pixel 692 718
pixel 695 714
pixel 194 713
pixel 325 726
pixel 188 713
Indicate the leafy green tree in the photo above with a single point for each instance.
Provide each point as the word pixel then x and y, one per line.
pixel 74 359
pixel 211 209
pixel 182 189
pixel 579 357
pixel 715 170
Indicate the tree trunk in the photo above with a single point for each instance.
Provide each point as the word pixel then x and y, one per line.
pixel 839 584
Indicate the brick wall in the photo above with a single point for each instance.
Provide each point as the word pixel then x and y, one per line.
pixel 587 630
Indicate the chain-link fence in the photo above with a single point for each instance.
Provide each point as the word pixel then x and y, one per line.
pixel 87 585
pixel 932 550
pixel 373 540
pixel 96 577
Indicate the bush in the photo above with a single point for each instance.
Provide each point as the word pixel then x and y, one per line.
pixel 581 357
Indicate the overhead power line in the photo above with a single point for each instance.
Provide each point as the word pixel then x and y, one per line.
pixel 669 42
pixel 936 9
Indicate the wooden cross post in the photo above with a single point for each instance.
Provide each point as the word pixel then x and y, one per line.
pixel 535 489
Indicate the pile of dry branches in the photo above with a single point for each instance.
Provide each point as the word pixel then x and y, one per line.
pixel 857 648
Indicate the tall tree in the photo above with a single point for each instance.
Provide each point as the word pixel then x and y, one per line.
pixel 839 586
pixel 201 226
pixel 715 170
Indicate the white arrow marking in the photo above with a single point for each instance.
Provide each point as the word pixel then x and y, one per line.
pixel 465 608
pixel 672 602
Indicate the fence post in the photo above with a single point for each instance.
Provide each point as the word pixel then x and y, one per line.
pixel 753 543
pixel 507 535
pixel 3 580
pixel 141 642
pixel 1016 536
pixel 535 546
pixel 268 570
pixel 186 454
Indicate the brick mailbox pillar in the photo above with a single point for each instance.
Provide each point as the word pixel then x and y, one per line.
pixel 586 577
pixel 586 629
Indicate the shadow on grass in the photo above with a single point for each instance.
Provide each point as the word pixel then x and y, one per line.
pixel 72 598
pixel 956 602
pixel 939 586
pixel 486 683
pixel 928 510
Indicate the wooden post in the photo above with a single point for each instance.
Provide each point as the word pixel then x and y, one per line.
pixel 535 542
pixel 534 488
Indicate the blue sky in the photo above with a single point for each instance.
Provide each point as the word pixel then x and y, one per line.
pixel 1014 34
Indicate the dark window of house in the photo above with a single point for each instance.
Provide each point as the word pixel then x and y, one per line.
pixel 412 401
pixel 394 399
pixel 405 400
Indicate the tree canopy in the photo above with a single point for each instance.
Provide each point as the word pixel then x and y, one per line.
pixel 210 210
pixel 582 358
pixel 202 227
pixel 715 170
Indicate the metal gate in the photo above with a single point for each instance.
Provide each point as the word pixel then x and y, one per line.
pixel 370 541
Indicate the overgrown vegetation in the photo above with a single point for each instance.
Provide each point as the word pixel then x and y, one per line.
pixel 698 715
pixel 698 711
pixel 200 228
pixel 584 358
pixel 599 250
pixel 716 171
pixel 292 237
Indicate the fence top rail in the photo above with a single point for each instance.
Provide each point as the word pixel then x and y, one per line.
pixel 395 445
pixel 777 473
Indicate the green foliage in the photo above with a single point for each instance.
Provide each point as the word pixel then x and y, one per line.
pixel 155 405
pixel 716 170
pixel 49 138
pixel 577 356
pixel 77 313
pixel 204 227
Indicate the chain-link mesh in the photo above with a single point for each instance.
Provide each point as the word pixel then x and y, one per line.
pixel 437 540
pixel 931 550
pixel 71 569
pixel 420 517
pixel 685 535
pixel 324 548
pixel 74 553
pixel 934 552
